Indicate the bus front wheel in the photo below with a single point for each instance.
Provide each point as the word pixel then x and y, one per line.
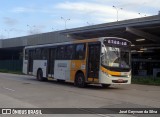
pixel 105 85
pixel 80 80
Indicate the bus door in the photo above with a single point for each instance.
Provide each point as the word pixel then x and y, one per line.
pixel 93 60
pixel 30 61
pixel 51 60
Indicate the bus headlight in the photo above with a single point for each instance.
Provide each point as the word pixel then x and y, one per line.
pixel 107 74
pixel 129 75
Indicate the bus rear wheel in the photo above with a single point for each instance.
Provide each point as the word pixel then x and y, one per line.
pixel 80 80
pixel 40 76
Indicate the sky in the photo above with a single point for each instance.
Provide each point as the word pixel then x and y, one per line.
pixel 26 17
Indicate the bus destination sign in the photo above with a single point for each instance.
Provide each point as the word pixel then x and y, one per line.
pixel 116 42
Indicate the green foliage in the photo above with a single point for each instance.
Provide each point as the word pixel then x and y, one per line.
pixel 146 80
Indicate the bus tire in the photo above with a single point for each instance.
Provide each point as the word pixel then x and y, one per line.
pixel 40 76
pixel 80 80
pixel 60 80
pixel 105 85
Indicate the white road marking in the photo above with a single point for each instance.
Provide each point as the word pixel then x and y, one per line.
pixel 8 89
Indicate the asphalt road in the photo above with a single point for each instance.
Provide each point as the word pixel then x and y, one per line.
pixel 22 91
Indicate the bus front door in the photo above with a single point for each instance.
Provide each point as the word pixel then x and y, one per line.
pixel 93 60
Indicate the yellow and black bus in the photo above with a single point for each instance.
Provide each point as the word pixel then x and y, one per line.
pixel 104 60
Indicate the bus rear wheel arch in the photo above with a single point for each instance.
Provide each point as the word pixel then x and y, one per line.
pixel 80 80
pixel 40 75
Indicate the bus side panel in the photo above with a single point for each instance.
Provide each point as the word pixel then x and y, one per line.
pixel 62 69
pixel 25 66
pixel 77 65
pixel 42 64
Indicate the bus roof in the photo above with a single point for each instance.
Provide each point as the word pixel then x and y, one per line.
pixel 75 41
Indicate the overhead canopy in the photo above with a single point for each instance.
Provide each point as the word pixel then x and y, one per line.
pixel 147 28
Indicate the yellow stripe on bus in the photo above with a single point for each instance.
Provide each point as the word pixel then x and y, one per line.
pixel 86 41
pixel 110 72
pixel 75 66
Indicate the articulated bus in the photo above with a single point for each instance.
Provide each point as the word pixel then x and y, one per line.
pixel 104 60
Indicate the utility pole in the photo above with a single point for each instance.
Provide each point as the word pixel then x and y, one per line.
pixel 65 22
pixel 117 9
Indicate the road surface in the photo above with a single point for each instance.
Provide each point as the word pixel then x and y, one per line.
pixel 23 91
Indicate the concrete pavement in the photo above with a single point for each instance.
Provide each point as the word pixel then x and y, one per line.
pixel 22 91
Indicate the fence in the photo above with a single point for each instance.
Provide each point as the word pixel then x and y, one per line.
pixel 11 65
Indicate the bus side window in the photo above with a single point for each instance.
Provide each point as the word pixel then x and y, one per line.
pixel 80 51
pixel 37 54
pixel 69 53
pixel 44 53
pixel 31 54
pixel 61 53
pixel 26 54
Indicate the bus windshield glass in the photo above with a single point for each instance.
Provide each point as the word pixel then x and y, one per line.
pixel 116 57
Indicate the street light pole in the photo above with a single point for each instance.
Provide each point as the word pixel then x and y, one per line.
pixel 31 28
pixel 142 15
pixel 65 21
pixel 117 11
pixel 89 23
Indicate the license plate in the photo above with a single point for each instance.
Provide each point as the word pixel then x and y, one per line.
pixel 120 80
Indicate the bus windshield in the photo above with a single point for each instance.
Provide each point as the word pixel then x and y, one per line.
pixel 116 57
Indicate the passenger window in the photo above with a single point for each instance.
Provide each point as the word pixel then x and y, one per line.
pixel 44 53
pixel 80 51
pixel 61 53
pixel 26 54
pixel 70 51
pixel 37 54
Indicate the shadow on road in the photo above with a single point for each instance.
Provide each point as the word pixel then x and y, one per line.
pixel 71 85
